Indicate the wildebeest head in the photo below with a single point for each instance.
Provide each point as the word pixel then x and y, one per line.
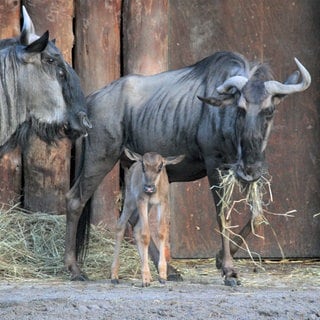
pixel 41 92
pixel 152 165
pixel 255 99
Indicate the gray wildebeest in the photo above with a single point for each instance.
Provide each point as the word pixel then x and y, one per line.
pixel 163 113
pixel 39 92
pixel 146 185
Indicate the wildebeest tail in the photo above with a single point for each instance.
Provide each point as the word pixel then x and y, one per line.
pixel 83 232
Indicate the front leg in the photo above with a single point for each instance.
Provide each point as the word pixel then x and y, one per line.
pixel 142 235
pixel 163 213
pixel 224 258
pixel 74 211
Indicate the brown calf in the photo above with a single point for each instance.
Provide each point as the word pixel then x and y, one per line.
pixel 146 185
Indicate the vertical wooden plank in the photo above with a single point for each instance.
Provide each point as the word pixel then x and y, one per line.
pixel 10 164
pixel 47 168
pixel 145 48
pixel 97 61
pixel 145 38
pixel 272 32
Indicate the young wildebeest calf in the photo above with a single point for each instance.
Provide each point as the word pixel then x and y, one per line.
pixel 146 185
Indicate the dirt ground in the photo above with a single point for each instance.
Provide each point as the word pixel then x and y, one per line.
pixel 281 291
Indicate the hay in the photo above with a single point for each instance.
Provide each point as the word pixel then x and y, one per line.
pixel 32 247
pixel 254 196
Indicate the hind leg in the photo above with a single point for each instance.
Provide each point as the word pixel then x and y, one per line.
pixel 128 208
pixel 95 167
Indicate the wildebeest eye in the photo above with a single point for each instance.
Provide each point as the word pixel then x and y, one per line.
pixel 268 112
pixel 61 73
pixel 50 60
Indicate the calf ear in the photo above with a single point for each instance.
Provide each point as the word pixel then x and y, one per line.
pixel 174 159
pixel 132 155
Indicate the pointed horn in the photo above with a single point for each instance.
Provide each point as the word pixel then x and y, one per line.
pixel 236 81
pixel 275 87
pixel 28 33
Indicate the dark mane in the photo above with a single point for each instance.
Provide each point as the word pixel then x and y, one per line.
pixel 262 72
pixel 224 64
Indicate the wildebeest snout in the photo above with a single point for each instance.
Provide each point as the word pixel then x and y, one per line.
pixel 249 172
pixel 78 125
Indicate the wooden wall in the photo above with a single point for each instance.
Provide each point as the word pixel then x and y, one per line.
pixel 274 32
pixel 104 39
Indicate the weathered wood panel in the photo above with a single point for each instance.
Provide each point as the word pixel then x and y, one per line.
pixel 274 32
pixel 10 164
pixel 97 61
pixel 145 48
pixel 47 168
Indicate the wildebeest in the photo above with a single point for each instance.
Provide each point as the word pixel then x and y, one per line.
pixel 39 91
pixel 146 185
pixel 163 113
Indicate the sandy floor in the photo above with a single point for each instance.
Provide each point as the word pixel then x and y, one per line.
pixel 281 291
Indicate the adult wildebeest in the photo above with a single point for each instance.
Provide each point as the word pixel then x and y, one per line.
pixel 147 185
pixel 163 113
pixel 39 91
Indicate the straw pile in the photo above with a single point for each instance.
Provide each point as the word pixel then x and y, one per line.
pixel 32 246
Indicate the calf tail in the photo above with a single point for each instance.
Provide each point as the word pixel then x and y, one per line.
pixel 83 232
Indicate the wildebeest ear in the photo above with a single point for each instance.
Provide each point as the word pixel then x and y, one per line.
pixel 174 159
pixel 292 79
pixel 132 155
pixel 38 45
pixel 29 52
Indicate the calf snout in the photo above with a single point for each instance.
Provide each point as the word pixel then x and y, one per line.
pixel 149 189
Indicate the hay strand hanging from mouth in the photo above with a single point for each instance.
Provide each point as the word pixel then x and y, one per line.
pixel 254 194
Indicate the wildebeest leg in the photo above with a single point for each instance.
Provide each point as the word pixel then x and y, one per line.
pixel 228 271
pixel 163 210
pixel 120 229
pixel 94 169
pixel 172 273
pixel 236 242
pixel 142 235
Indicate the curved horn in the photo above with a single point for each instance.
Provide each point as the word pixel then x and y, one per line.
pixel 28 33
pixel 236 81
pixel 275 87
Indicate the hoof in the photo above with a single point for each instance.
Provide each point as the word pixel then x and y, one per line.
pixel 162 281
pixel 232 282
pixel 175 277
pixel 115 281
pixel 80 277
pixel 145 284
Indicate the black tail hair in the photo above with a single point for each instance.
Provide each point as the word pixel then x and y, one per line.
pixel 83 232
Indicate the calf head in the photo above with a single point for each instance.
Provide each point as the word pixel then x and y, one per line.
pixel 152 165
pixel 255 99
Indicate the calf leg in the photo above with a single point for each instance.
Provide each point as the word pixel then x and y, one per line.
pixel 120 229
pixel 142 235
pixel 172 273
pixel 162 234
